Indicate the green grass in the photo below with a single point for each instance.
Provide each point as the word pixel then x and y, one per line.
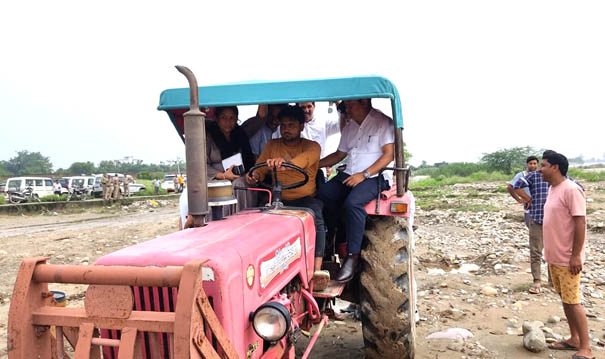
pixel 2 199
pixel 53 198
pixel 149 190
pixel 440 181
pixel 585 175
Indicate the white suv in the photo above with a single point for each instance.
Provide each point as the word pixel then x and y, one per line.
pixel 41 186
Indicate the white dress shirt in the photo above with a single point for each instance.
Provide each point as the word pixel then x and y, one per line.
pixel 364 143
pixel 318 130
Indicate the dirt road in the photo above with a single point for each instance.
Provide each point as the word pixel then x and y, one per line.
pixel 457 226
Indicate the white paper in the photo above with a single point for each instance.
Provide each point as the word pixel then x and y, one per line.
pixel 234 160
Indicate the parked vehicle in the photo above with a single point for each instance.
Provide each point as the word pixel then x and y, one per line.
pixel 77 193
pixel 239 287
pixel 27 195
pixel 41 186
pixel 168 183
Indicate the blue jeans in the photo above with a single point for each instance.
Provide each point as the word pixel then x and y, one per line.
pixel 336 196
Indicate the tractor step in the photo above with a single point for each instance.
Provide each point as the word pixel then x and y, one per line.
pixel 334 289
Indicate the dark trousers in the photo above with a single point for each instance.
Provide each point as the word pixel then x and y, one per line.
pixel 316 205
pixel 336 196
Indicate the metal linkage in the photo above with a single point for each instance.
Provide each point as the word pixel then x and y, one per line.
pixel 108 305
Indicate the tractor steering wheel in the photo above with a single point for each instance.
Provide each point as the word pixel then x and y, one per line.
pixel 273 187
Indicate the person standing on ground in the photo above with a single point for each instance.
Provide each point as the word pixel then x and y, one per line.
pixel 57 188
pixel 181 181
pixel 116 187
pixel 534 203
pixel 156 186
pixel 532 165
pixel 127 180
pixel 564 248
pixel 104 185
pixel 108 188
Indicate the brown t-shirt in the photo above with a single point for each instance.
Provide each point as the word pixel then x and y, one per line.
pixel 304 155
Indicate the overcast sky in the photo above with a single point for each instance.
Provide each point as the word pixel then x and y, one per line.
pixel 81 81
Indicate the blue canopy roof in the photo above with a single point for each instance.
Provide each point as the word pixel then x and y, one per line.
pixel 267 92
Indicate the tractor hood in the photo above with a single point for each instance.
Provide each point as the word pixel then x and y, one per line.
pixel 249 238
pixel 250 257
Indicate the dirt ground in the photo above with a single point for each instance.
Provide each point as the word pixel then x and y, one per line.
pixel 463 224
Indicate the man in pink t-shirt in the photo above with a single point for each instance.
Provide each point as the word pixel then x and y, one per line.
pixel 564 236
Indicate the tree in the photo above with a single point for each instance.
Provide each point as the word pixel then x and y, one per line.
pixel 78 168
pixel 28 163
pixel 508 160
pixel 3 169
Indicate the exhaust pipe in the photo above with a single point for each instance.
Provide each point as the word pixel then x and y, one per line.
pixel 195 153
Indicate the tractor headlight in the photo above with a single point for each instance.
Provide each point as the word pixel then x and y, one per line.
pixel 271 321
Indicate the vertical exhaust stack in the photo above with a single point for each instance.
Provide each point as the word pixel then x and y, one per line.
pixel 195 153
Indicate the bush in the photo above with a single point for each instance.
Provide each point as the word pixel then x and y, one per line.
pixel 149 190
pixel 590 176
pixel 462 169
pixel 2 199
pixel 54 198
pixel 148 175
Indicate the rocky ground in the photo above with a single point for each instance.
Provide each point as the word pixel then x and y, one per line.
pixel 472 269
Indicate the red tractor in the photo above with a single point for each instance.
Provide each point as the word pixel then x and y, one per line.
pixel 239 287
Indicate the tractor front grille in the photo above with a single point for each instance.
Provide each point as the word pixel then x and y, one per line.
pixel 158 299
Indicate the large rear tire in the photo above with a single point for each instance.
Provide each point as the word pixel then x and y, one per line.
pixel 386 301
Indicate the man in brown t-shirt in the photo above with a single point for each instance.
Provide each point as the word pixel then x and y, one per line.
pixel 293 149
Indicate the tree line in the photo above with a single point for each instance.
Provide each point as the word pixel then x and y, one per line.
pixel 29 163
pixel 507 161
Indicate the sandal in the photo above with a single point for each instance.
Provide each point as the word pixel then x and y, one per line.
pixel 562 345
pixel 534 289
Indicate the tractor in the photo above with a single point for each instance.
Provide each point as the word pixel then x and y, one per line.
pixel 233 287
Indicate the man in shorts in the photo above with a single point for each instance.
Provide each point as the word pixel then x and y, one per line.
pixel 564 232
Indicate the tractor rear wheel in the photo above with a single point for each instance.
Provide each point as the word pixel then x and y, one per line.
pixel 387 300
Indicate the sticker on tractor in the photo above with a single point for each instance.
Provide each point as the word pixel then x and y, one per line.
pixel 207 274
pixel 276 265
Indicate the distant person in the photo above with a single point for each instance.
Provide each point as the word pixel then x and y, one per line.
pixel 127 180
pixel 564 248
pixel 263 135
pixel 116 187
pixel 108 188
pixel 156 186
pixel 181 182
pixel 57 188
pixel 531 166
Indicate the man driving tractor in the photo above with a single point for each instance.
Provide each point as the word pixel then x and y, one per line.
pixel 294 149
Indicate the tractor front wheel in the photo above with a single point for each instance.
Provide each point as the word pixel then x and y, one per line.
pixel 387 300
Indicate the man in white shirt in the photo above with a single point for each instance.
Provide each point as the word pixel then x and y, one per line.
pixel 368 143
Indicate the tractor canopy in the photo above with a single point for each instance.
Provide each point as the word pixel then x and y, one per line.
pixel 176 101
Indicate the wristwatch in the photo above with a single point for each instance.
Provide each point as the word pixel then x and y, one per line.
pixel 366 174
